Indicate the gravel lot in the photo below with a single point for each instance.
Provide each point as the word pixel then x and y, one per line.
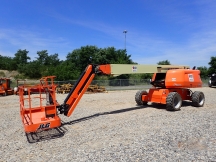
pixel 110 127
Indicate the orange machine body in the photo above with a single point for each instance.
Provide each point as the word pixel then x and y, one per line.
pixel 183 78
pixel 178 78
pixel 159 95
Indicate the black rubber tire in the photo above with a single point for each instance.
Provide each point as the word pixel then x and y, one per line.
pixel 173 101
pixel 198 99
pixel 138 97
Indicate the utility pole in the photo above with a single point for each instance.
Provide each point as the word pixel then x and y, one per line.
pixel 125 32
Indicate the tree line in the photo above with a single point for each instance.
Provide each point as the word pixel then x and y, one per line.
pixel 46 64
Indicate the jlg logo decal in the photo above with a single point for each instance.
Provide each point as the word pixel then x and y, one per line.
pixel 43 126
pixel 134 68
pixel 191 78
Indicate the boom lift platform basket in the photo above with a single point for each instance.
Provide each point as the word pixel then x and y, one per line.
pixel 38 111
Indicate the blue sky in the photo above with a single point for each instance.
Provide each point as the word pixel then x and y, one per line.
pixel 181 31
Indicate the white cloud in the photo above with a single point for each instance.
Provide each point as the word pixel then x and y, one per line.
pixel 12 40
pixel 196 50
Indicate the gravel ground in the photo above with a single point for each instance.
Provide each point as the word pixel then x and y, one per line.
pixel 110 127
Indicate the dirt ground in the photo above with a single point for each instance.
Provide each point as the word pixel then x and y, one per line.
pixel 111 127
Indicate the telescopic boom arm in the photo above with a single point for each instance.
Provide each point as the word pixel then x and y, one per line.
pixel 88 75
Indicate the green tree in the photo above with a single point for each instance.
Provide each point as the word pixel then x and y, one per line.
pixel 53 60
pixel 32 70
pixel 212 63
pixel 43 57
pixel 112 56
pixel 21 58
pixel 66 71
pixel 165 62
pixel 7 63
pixel 82 57
pixel 203 72
pixel 47 63
pixel 93 55
pixel 146 76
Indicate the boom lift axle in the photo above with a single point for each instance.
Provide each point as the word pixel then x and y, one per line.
pixel 170 87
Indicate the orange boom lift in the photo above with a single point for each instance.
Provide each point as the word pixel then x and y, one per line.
pixel 170 86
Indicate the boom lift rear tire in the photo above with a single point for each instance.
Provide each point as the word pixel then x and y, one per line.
pixel 173 101
pixel 138 97
pixel 198 99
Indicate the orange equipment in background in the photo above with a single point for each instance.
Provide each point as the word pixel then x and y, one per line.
pixel 170 86
pixel 5 88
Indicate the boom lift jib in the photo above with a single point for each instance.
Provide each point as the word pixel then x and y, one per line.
pixel 170 86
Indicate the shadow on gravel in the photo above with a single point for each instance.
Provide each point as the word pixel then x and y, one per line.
pixel 60 131
pixel 153 105
pixel 103 113
pixel 46 135
pixel 186 103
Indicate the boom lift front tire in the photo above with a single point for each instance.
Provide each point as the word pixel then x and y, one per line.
pixel 173 101
pixel 138 97
pixel 198 99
